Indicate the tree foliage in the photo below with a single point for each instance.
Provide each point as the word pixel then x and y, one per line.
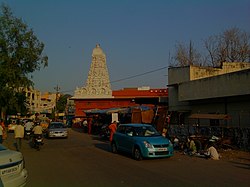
pixel 62 101
pixel 232 45
pixel 21 53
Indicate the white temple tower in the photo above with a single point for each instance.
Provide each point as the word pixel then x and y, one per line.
pixel 98 83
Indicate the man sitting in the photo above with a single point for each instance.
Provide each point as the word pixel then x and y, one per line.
pixel 212 152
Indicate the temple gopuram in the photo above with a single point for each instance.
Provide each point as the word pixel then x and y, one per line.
pixel 97 92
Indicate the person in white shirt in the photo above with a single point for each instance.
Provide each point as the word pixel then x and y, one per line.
pixel 212 153
pixel 28 126
pixel 19 134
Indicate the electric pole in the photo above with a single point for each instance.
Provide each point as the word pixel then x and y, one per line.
pixel 57 88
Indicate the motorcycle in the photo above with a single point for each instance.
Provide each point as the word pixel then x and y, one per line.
pixel 27 134
pixel 104 132
pixel 37 141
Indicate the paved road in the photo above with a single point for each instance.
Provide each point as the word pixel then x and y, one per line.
pixel 83 160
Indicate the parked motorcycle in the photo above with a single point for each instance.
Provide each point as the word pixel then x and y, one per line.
pixel 104 132
pixel 37 141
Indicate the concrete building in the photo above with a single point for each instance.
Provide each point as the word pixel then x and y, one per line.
pixel 38 102
pixel 210 96
pixel 33 98
pixel 48 102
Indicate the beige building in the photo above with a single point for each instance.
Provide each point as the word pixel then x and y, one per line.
pixel 40 102
pixel 215 96
pixel 48 102
pixel 33 98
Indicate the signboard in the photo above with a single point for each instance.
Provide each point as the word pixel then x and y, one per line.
pixel 115 117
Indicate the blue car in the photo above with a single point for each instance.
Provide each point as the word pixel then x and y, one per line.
pixel 141 141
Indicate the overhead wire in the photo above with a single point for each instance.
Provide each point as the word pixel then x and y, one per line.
pixel 152 71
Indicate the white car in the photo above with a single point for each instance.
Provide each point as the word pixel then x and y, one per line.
pixel 12 168
pixel 57 130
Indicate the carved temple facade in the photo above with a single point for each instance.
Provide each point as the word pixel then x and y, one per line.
pixel 98 83
pixel 97 92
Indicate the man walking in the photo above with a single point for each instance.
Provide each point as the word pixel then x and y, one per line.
pixel 19 134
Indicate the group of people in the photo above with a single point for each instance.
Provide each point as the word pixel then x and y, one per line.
pixel 193 148
pixel 19 132
pixel 20 129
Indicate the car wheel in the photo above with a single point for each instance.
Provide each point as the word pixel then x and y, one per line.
pixel 137 154
pixel 113 147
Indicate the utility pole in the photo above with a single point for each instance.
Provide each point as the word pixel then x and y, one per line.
pixel 57 88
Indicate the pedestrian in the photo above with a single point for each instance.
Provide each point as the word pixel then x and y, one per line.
pixel 4 134
pixel 2 123
pixel 176 143
pixel 112 128
pixel 191 146
pixel 212 152
pixel 1 134
pixel 85 125
pixel 28 126
pixel 19 134
pixel 90 125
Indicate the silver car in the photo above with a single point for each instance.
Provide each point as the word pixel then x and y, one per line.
pixel 12 168
pixel 57 130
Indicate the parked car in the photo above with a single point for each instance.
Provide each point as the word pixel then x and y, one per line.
pixel 142 141
pixel 57 130
pixel 12 168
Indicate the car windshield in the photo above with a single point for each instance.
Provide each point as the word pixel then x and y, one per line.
pixel 56 125
pixel 146 131
pixel 2 148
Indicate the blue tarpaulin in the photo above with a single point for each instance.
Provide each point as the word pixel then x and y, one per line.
pixel 116 110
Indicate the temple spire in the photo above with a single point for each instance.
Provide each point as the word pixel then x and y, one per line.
pixel 98 83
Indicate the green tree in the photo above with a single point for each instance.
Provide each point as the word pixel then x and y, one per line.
pixel 21 53
pixel 62 102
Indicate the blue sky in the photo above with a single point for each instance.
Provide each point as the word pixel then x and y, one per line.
pixel 137 36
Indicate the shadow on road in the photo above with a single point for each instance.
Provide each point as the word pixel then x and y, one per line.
pixel 78 129
pixel 103 146
pixel 241 165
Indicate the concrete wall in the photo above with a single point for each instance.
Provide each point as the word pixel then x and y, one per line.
pixel 197 72
pixel 178 75
pixel 237 107
pixel 173 101
pixel 231 84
